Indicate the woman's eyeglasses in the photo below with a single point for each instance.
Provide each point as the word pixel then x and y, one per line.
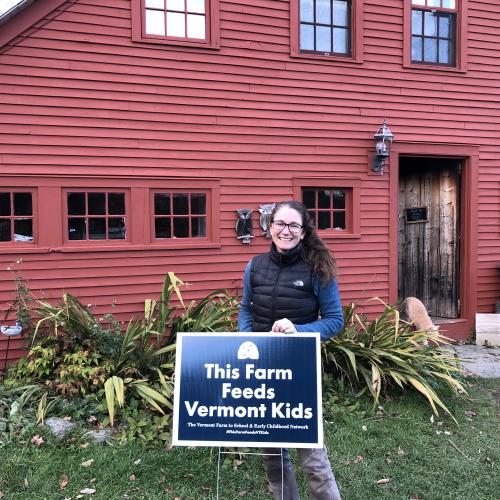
pixel 293 226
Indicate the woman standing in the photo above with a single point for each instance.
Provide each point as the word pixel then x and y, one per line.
pixel 290 289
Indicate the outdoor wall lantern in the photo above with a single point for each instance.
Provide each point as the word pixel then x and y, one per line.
pixel 383 142
pixel 244 225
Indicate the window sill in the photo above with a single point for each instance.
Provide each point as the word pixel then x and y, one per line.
pixel 109 248
pixel 433 68
pixel 332 59
pixel 332 235
pixel 187 44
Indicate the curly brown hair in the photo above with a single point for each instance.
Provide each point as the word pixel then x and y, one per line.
pixel 314 250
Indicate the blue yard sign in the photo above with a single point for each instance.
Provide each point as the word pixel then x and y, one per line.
pixel 248 390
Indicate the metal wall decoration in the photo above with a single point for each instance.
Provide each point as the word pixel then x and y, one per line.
pixel 244 225
pixel 265 218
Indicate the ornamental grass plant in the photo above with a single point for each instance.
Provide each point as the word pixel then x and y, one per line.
pixel 378 355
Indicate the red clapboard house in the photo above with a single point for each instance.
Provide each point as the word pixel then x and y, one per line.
pixel 131 132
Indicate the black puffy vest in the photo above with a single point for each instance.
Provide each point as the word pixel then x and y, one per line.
pixel 282 287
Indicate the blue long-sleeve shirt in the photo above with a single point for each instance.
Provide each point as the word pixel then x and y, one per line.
pixel 331 319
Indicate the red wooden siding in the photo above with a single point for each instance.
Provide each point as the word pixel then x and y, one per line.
pixel 79 98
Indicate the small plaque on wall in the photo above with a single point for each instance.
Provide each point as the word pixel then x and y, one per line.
pixel 416 214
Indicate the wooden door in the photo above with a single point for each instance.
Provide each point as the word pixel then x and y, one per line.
pixel 428 229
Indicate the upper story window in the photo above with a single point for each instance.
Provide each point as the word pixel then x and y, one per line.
pixel 179 22
pixel 325 26
pixel 176 18
pixel 96 215
pixel 179 214
pixel 433 32
pixel 329 29
pixel 16 216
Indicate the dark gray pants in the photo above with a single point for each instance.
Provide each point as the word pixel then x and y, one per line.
pixel 316 467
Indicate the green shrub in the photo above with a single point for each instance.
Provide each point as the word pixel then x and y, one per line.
pixel 386 352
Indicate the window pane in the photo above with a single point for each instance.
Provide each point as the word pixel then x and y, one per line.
pixel 196 6
pixel 23 229
pixel 116 203
pixel 76 228
pixel 181 227
pixel 324 199
pixel 198 204
pixel 306 11
pixel 340 13
pixel 430 24
pixel 97 228
pixel 449 4
pixel 4 229
pixel 97 203
pixel 199 227
pixel 418 2
pixel 76 203
pixel 444 52
pixel 416 22
pixel 444 26
pixel 22 204
pixel 175 5
pixel 323 39
pixel 306 37
pixel 162 204
pixel 323 12
pixel 338 199
pixel 340 40
pixel 196 26
pixel 175 24
pixel 433 3
pixel 4 204
pixel 116 228
pixel 430 50
pixel 416 48
pixel 181 205
pixel 156 4
pixel 324 220
pixel 155 22
pixel 339 220
pixel 162 228
pixel 308 198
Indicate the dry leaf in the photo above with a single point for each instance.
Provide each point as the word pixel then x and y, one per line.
pixel 169 446
pixel 388 459
pixel 63 481
pixel 26 484
pixel 132 477
pixel 67 419
pixel 401 452
pixel 2 494
pixel 83 446
pixel 93 480
pixel 88 463
pixel 138 461
pixel 37 440
pixel 385 480
pixel 358 459
pixel 447 433
pixel 242 494
pixel 87 491
pixel 91 419
pixel 470 413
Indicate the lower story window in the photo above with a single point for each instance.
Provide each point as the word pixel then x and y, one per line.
pixel 16 216
pixel 179 214
pixel 96 215
pixel 328 207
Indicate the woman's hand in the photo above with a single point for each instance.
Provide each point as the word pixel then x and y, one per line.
pixel 283 326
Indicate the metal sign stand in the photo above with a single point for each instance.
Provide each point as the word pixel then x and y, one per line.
pixel 246 453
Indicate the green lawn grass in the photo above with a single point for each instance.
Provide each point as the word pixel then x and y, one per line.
pixel 418 459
